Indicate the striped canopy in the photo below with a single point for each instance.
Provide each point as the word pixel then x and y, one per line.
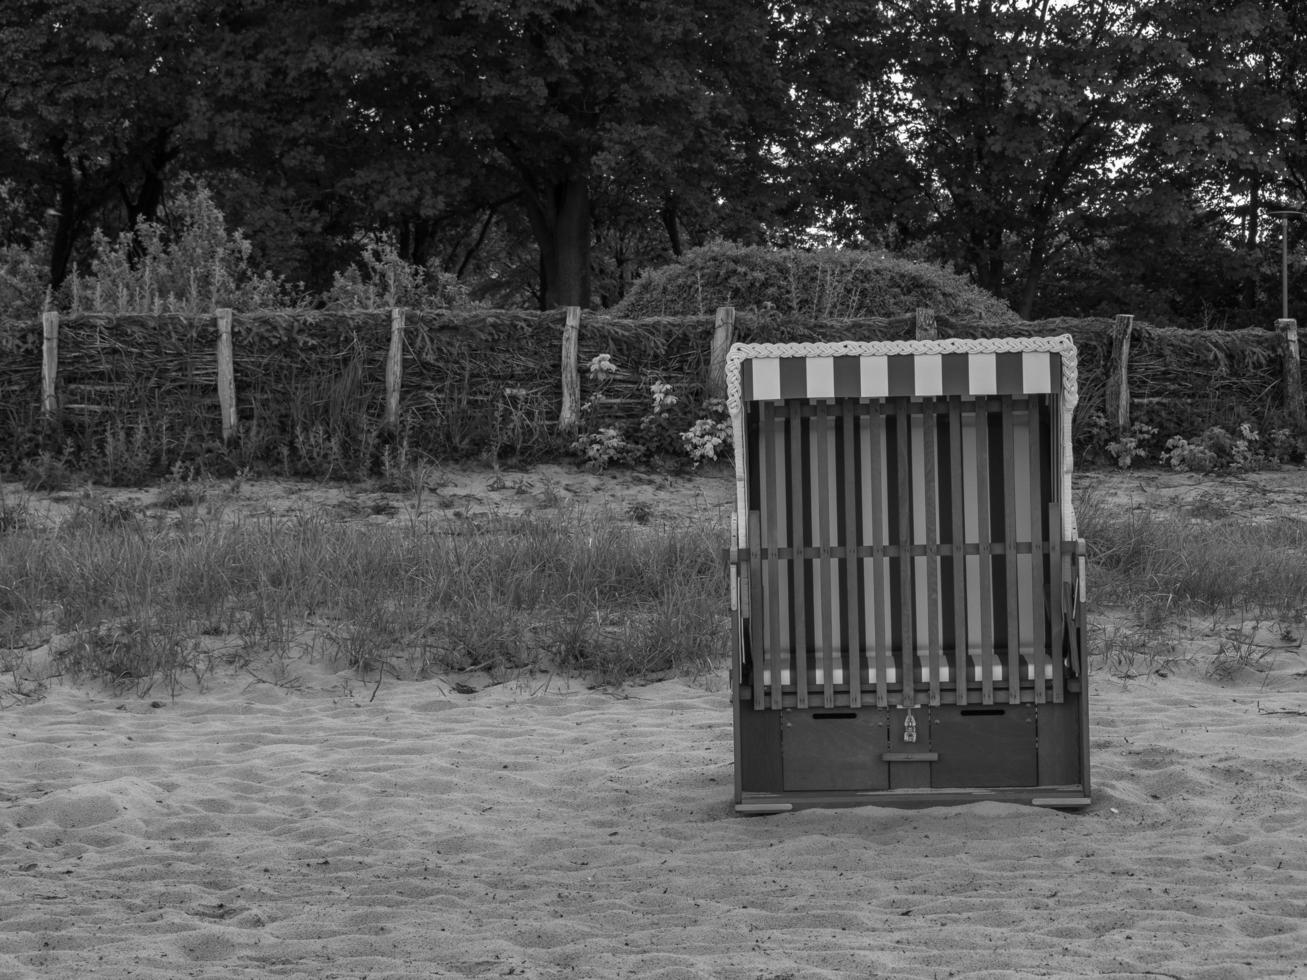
pixel 894 375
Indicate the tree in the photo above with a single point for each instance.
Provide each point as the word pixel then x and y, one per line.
pixel 93 95
pixel 1012 120
pixel 547 95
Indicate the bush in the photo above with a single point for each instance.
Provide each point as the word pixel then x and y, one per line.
pixel 22 283
pixel 672 427
pixel 192 265
pixel 828 283
pixel 1217 450
pixel 383 279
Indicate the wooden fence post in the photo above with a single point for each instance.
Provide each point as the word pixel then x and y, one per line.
pixel 394 367
pixel 1118 374
pixel 569 413
pixel 1293 399
pixel 722 336
pixel 226 375
pixel 49 365
pixel 926 329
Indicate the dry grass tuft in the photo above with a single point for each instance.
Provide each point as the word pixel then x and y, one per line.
pixel 139 602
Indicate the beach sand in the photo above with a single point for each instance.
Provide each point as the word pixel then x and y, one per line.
pixel 538 828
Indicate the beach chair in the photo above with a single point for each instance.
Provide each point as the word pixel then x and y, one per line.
pixel 906 577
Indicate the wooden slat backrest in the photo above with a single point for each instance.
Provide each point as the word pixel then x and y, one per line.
pixel 957 536
pixel 825 594
pixel 901 532
pixel 931 502
pixel 769 637
pixel 877 569
pixel 1011 590
pixel 850 567
pixel 1036 511
pixel 896 526
pixel 985 565
pixel 801 596
pixel 1057 623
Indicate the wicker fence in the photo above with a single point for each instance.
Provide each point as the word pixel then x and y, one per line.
pixel 252 388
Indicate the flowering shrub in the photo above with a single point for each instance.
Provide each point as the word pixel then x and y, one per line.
pixel 193 264
pixel 602 367
pixel 1286 446
pixel 660 428
pixel 1130 446
pixel 668 428
pixel 605 447
pixel 1217 449
pixel 1184 456
pixel 709 438
pixel 382 278
pixel 663 399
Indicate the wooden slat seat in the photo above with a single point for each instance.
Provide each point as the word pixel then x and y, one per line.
pixel 975 673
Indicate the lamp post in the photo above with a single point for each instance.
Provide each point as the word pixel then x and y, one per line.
pixel 1284 257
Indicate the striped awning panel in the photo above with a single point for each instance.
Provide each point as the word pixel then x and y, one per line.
pixel 900 375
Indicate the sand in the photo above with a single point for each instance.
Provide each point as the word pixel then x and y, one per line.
pixel 541 829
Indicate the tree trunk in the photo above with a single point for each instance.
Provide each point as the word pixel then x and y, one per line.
pixel 415 239
pixel 571 286
pixel 1037 258
pixel 560 220
pixel 670 222
pixel 476 245
pixel 1253 215
pixel 150 197
pixel 987 259
pixel 65 230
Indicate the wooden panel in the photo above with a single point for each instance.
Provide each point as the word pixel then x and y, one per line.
pixel 1056 598
pixel 903 536
pixel 827 598
pixel 769 465
pixel 853 612
pixel 879 566
pixel 1056 610
pixel 800 596
pixel 985 746
pixel 910 775
pixel 929 450
pixel 758 751
pixel 958 482
pixel 1012 605
pixel 834 750
pixel 1059 742
pixel 985 535
pixel 757 655
pixel 1038 563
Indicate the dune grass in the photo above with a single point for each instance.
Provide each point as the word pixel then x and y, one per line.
pixel 1140 558
pixel 138 601
pixel 1248 575
pixel 143 602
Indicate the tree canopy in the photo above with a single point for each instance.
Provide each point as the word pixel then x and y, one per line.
pixel 1068 156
